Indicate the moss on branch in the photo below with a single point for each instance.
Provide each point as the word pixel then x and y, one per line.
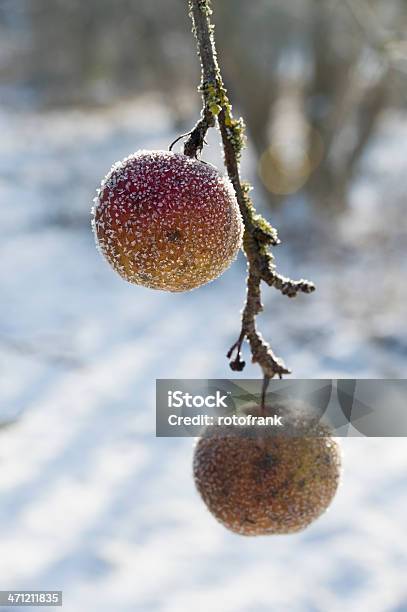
pixel 259 234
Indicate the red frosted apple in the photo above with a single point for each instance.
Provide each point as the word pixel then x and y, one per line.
pixel 167 221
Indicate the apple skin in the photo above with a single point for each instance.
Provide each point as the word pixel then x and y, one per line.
pixel 167 221
pixel 257 482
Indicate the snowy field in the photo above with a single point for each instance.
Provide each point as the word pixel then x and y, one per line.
pixel 90 501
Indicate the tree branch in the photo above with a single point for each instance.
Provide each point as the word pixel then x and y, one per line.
pixel 259 235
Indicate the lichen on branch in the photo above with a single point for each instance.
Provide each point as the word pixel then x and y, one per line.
pixel 259 235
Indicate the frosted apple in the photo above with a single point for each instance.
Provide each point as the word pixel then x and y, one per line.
pixel 167 221
pixel 258 483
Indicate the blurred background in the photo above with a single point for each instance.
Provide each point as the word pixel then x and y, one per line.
pixel 90 501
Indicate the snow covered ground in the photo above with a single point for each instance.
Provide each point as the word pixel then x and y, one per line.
pixel 90 501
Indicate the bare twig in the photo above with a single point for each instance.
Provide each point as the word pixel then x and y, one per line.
pixel 258 234
pixel 196 140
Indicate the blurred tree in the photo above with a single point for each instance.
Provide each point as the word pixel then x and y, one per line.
pixel 311 78
pixel 344 99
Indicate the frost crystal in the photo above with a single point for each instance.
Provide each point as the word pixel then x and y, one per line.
pixel 167 221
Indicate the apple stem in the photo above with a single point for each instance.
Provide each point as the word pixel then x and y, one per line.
pixel 266 382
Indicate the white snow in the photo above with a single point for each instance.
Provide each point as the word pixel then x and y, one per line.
pixel 90 501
